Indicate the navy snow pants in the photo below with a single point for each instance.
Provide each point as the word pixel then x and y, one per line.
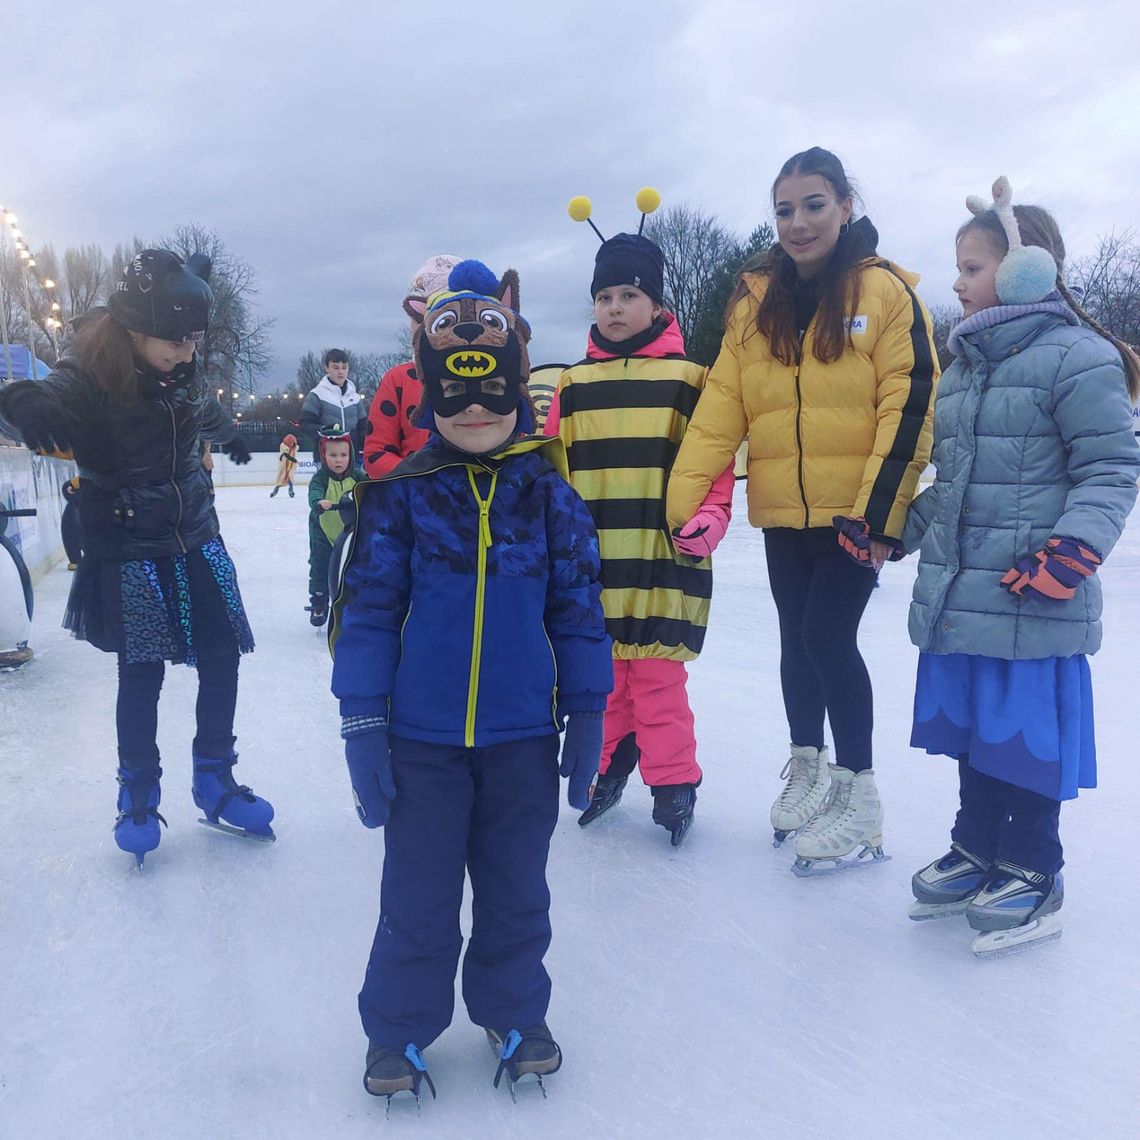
pixel 998 820
pixel 489 812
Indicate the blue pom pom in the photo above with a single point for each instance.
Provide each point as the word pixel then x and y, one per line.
pixel 1025 276
pixel 473 276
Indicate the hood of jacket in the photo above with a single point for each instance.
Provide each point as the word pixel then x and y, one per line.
pixel 332 393
pixel 664 339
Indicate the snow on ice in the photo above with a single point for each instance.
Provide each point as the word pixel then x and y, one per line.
pixel 700 992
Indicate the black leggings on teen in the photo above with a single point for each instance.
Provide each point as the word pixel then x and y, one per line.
pixel 136 710
pixel 820 596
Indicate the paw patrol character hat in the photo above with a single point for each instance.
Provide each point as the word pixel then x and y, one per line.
pixel 626 259
pixel 471 347
pixel 1027 273
pixel 159 295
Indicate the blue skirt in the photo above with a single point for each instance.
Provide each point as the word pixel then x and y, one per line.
pixel 183 608
pixel 1029 723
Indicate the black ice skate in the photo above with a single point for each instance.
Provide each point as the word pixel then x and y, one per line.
pixel 388 1071
pixel 673 809
pixel 607 789
pixel 318 608
pixel 606 794
pixel 524 1053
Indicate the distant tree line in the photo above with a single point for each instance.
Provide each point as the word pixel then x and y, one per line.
pixel 703 262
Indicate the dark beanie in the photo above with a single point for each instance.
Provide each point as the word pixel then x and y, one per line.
pixel 629 259
pixel 160 296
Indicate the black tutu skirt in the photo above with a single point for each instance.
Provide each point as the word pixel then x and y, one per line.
pixel 183 608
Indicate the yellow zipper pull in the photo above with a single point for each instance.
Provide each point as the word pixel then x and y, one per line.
pixel 485 522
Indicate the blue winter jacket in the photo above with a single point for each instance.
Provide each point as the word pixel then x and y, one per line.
pixel 1032 438
pixel 471 607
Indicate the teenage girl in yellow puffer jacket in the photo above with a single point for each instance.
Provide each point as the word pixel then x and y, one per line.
pixel 828 367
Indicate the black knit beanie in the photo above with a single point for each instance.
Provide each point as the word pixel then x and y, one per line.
pixel 629 259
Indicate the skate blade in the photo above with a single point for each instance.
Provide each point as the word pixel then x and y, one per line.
pixel 528 1079
pixel 924 912
pixel 388 1099
pixel 812 868
pixel 677 837
pixel 998 943
pixel 584 822
pixel 240 832
pixel 779 837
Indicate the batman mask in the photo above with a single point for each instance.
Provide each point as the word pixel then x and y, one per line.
pixel 487 375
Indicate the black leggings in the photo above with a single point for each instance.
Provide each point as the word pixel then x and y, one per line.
pixel 136 710
pixel 820 596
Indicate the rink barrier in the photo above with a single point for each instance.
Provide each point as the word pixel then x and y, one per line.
pixel 33 481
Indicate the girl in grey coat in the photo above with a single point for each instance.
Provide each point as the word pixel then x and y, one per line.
pixel 1036 474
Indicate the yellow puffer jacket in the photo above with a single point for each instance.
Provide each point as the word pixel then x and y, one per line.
pixel 846 438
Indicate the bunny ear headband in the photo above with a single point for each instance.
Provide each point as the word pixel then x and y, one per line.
pixel 1027 273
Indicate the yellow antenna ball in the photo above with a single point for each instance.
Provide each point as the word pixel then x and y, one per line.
pixel 648 199
pixel 579 208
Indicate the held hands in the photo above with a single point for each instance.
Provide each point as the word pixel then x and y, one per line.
pixel 581 751
pixel 1055 571
pixel 856 542
pixel 369 769
pixel 701 535
pixel 237 449
pixel 325 504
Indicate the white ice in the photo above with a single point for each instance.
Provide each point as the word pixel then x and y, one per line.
pixel 704 992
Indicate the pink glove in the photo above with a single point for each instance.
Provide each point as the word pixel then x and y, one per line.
pixel 701 535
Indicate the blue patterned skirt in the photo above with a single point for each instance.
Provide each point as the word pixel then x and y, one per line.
pixel 182 608
pixel 1029 723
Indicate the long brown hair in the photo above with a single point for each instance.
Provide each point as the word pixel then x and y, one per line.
pixel 104 350
pixel 838 286
pixel 1038 227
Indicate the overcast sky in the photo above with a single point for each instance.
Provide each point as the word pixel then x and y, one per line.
pixel 335 145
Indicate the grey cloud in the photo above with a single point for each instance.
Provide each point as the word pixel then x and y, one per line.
pixel 335 145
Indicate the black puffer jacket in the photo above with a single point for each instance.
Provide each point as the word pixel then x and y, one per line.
pixel 143 490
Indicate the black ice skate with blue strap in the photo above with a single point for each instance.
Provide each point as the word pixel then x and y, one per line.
pixel 531 1052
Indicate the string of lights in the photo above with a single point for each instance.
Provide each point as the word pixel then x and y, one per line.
pixel 52 322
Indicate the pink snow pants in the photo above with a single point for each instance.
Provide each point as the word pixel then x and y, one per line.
pixel 649 700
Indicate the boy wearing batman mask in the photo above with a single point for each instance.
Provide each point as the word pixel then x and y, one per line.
pixel 469 629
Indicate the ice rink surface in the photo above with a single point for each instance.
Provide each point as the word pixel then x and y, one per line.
pixel 703 992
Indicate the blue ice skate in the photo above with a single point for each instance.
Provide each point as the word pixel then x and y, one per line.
pixel 388 1070
pixel 945 887
pixel 1015 909
pixel 136 828
pixel 524 1053
pixel 228 806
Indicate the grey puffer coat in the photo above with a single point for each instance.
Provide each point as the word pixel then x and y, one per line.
pixel 1032 438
